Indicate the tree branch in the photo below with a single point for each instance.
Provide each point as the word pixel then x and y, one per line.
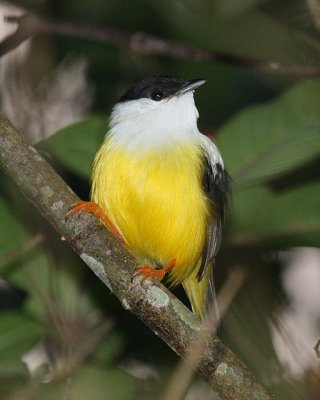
pixel 144 44
pixel 149 301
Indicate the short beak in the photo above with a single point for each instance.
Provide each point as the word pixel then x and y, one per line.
pixel 191 85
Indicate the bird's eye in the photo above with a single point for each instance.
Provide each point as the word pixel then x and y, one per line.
pixel 157 95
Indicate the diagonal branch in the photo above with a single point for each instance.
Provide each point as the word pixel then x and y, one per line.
pixel 144 44
pixel 149 301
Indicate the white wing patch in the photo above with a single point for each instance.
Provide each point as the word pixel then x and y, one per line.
pixel 212 153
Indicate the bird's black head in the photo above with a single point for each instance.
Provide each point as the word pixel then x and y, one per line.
pixel 160 87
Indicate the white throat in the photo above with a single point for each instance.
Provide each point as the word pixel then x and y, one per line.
pixel 145 124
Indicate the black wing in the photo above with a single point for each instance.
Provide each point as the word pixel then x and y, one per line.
pixel 216 185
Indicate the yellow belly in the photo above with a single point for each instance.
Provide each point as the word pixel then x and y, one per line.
pixel 156 201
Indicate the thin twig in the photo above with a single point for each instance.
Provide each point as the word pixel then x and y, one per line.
pixel 21 250
pixel 144 44
pixel 184 372
pixel 148 300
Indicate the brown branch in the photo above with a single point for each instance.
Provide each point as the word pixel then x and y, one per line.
pixel 144 44
pixel 150 301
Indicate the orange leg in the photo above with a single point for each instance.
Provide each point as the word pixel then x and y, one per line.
pixel 96 210
pixel 148 272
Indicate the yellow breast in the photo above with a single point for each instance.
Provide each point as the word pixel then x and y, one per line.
pixel 156 201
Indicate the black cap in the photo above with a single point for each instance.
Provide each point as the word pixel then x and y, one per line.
pixel 160 87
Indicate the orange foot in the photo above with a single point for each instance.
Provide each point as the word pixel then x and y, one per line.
pixel 148 272
pixel 96 210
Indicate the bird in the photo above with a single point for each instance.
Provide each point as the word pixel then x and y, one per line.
pixel 161 188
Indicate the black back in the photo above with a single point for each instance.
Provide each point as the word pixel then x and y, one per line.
pixel 217 187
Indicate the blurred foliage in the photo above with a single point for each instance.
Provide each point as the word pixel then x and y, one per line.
pixel 77 142
pixel 79 342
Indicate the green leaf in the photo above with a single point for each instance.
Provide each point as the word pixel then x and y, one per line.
pixel 75 146
pixel 241 28
pixel 268 140
pixel 13 232
pixel 230 8
pixel 261 215
pixel 110 348
pixel 18 335
pixel 49 283
pixel 92 383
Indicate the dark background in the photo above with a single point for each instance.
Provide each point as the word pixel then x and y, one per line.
pixel 59 92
